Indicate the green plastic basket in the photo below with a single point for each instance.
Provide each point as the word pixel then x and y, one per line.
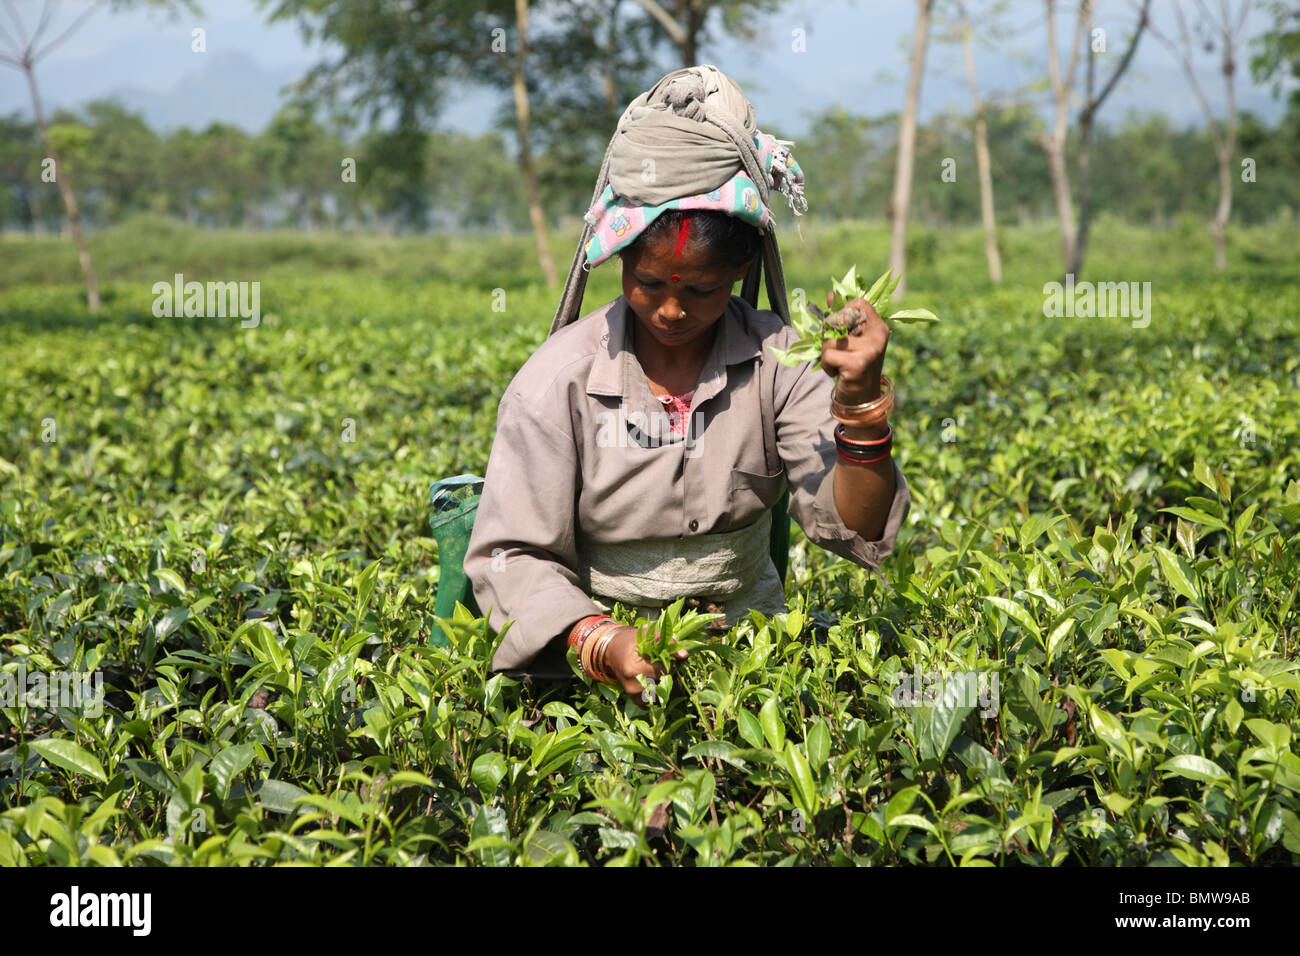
pixel 455 501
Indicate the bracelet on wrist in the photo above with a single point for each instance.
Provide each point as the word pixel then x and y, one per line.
pixel 871 444
pixel 586 655
pixel 863 461
pixel 585 626
pixel 580 635
pixel 870 412
pixel 598 654
pixel 886 390
pixel 598 644
pixel 857 452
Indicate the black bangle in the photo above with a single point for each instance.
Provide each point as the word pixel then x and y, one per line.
pixel 859 449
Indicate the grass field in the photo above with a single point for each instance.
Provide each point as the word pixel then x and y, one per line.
pixel 228 526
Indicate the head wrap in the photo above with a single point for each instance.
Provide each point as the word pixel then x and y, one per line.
pixel 689 142
pixel 617 220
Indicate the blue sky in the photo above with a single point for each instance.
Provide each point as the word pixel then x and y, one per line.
pixel 856 56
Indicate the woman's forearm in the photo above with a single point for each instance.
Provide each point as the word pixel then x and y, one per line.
pixel 865 493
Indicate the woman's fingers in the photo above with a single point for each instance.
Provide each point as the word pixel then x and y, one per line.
pixel 856 359
pixel 630 668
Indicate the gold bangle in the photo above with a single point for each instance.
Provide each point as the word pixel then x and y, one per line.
pixel 598 660
pixel 875 416
pixel 867 413
pixel 588 653
pixel 600 644
pixel 886 398
pixel 584 657
pixel 588 645
pixel 606 676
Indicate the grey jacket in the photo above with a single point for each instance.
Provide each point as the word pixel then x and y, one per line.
pixel 577 451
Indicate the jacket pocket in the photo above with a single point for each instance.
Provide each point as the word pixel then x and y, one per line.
pixel 750 494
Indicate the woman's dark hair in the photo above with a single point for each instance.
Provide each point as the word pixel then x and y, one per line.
pixel 728 242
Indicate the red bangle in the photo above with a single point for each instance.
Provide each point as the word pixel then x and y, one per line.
pixel 888 436
pixel 864 452
pixel 584 627
pixel 863 461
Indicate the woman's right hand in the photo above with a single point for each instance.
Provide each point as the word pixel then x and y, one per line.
pixel 626 665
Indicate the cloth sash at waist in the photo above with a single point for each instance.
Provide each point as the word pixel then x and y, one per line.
pixel 733 569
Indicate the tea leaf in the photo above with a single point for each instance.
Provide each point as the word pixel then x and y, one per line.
pixel 769 716
pixel 1195 767
pixel 913 315
pixel 68 756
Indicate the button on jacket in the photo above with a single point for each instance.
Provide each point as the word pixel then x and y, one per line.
pixel 583 447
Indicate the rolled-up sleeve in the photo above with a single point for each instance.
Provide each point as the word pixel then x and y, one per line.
pixel 522 551
pixel 805 434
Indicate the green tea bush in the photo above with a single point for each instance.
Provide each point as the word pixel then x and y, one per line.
pixel 1086 653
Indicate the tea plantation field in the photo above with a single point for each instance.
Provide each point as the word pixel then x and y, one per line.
pixel 227 526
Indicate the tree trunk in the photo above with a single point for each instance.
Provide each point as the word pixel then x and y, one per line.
pixel 694 20
pixel 1053 143
pixel 535 211
pixel 1055 149
pixel 1229 147
pixel 987 214
pixel 682 33
pixel 64 183
pixel 1074 265
pixel 1087 121
pixel 1218 227
pixel 907 149
pixel 1225 137
pixel 610 59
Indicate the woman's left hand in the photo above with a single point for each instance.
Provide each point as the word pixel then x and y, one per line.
pixel 856 359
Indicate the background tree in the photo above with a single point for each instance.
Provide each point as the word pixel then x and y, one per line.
pixel 964 30
pixel 1277 60
pixel 477 188
pixel 519 89
pixel 906 147
pixel 1092 102
pixel 124 164
pixel 67 138
pixel 19 169
pixel 1224 31
pixel 848 162
pixel 686 22
pixel 1277 52
pixel 575 111
pixel 24 53
pixel 304 161
pixel 1053 142
pixel 391 74
pixel 398 60
pixel 392 169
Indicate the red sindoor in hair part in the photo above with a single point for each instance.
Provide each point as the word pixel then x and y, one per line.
pixel 681 237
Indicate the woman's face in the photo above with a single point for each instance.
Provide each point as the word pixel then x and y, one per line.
pixel 677 312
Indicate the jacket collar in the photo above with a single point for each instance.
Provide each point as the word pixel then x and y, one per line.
pixel 616 370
